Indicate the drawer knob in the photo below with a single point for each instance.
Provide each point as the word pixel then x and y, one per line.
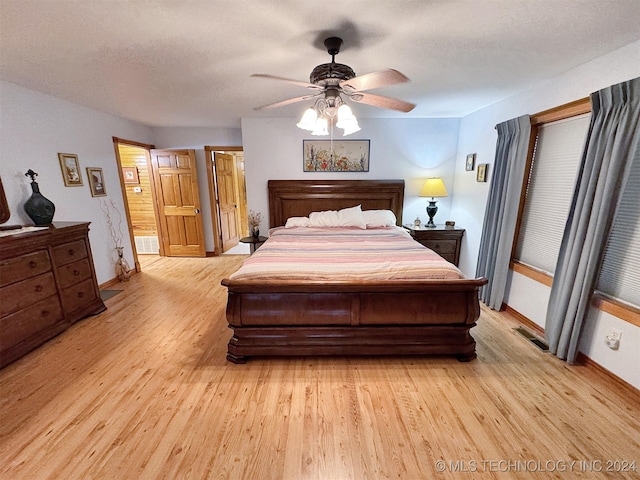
pixel 33 264
pixel 76 273
pixel 39 288
pixel 71 252
pixel 80 294
pixel 45 313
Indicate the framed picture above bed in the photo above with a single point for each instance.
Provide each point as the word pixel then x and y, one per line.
pixel 335 156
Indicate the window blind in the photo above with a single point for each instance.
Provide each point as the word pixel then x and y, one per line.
pixel 619 277
pixel 549 191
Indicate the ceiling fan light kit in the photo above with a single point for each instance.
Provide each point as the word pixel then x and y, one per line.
pixel 330 81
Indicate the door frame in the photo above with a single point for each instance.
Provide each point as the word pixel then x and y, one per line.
pixel 121 141
pixel 213 193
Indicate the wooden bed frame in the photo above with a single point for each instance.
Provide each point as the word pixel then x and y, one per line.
pixel 273 318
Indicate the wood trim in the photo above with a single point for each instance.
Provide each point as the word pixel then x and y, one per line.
pixel 114 281
pixel 533 273
pixel 582 359
pixel 208 148
pixel 132 143
pixel 616 308
pixel 568 110
pixel 625 312
pixel 127 212
pixel 537 329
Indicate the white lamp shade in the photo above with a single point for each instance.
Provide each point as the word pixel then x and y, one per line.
pixel 433 187
pixel 350 128
pixel 308 120
pixel 321 127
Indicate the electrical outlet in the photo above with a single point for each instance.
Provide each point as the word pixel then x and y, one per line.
pixel 612 339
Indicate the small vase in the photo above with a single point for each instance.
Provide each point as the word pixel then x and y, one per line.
pixel 39 208
pixel 256 232
pixel 122 267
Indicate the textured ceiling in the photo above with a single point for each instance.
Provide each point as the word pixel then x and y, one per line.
pixel 188 63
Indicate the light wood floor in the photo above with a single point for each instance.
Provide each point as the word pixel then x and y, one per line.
pixel 143 391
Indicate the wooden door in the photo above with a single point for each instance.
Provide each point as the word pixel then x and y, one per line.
pixel 176 185
pixel 227 199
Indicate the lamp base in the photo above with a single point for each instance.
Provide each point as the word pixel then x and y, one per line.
pixel 432 209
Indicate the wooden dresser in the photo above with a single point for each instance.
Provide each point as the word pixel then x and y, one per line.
pixel 445 241
pixel 47 283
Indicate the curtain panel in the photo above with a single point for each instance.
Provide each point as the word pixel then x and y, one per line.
pixel 501 214
pixel 610 147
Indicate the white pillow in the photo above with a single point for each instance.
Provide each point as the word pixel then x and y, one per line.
pixel 297 222
pixel 347 217
pixel 379 218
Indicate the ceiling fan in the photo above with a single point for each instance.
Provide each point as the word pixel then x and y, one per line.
pixel 329 81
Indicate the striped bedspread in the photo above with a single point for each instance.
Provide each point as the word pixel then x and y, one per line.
pixel 304 253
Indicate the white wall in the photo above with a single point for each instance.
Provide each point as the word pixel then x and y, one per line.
pixel 409 149
pixel 197 138
pixel 477 134
pixel 34 128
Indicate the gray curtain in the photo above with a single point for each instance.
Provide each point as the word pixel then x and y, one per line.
pixel 501 213
pixel 606 161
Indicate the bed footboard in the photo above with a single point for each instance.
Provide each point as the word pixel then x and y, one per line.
pixel 371 318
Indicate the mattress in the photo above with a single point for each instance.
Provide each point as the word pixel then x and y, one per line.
pixel 344 254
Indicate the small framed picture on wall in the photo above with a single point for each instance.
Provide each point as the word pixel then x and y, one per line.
pixel 130 175
pixel 96 182
pixel 481 175
pixel 70 169
pixel 471 162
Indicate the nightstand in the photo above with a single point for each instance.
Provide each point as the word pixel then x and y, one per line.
pixel 254 242
pixel 445 241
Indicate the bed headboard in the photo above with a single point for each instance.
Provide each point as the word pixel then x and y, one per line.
pixel 298 198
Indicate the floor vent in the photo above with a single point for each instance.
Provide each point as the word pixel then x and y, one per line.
pixel 147 245
pixel 538 342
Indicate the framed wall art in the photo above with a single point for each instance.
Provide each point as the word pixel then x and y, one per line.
pixel 70 169
pixel 481 175
pixel 96 182
pixel 471 162
pixel 335 156
pixel 130 175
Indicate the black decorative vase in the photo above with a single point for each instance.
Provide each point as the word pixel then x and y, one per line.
pixel 39 208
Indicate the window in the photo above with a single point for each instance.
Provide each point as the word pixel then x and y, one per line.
pixel 559 139
pixel 619 277
pixel 549 191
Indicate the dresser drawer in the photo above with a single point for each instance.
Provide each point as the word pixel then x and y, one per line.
pixel 74 273
pixel 28 322
pixel 20 295
pixel 449 257
pixel 69 252
pixel 441 246
pixel 25 266
pixel 78 295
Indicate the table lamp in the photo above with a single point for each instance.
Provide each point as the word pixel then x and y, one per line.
pixel 433 187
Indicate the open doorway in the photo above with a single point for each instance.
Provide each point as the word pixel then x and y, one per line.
pixel 154 228
pixel 228 196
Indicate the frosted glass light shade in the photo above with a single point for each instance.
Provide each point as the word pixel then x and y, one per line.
pixel 308 120
pixel 321 127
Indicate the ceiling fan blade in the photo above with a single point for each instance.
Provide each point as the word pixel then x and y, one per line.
pixel 288 80
pixel 384 102
pixel 289 101
pixel 372 80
